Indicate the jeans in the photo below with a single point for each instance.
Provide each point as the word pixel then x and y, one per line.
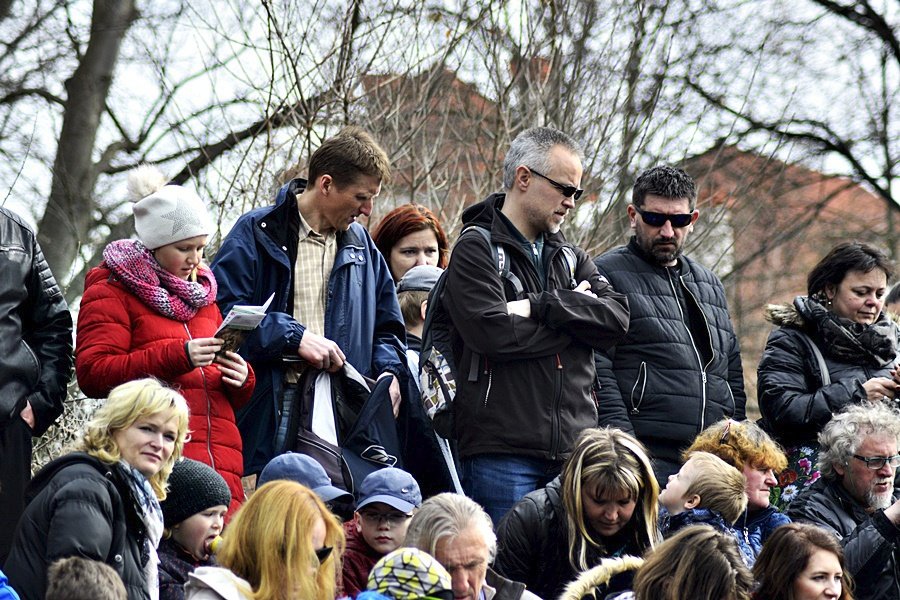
pixel 497 481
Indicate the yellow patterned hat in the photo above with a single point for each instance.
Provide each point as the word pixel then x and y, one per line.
pixel 410 574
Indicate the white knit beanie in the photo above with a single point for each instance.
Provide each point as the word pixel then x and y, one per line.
pixel 165 214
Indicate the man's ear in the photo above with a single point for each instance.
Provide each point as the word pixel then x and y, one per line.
pixel 691 502
pixel 523 178
pixel 325 184
pixel 423 309
pixel 839 469
pixel 632 215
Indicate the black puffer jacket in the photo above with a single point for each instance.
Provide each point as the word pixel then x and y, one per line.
pixel 652 384
pixel 533 544
pixel 78 506
pixel 795 405
pixel 870 541
pixel 530 392
pixel 35 329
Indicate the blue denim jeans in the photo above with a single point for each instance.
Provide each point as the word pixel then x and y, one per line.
pixel 497 481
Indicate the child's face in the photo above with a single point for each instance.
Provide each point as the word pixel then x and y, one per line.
pixel 673 497
pixel 196 532
pixel 382 526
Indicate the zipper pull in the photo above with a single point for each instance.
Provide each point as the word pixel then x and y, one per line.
pixel 558 363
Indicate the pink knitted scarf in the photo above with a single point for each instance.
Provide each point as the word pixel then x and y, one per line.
pixel 133 264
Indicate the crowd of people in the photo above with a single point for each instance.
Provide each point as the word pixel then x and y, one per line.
pixel 591 440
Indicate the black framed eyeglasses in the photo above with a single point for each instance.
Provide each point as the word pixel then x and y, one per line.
pixel 323 553
pixel 392 519
pixel 655 219
pixel 878 462
pixel 566 190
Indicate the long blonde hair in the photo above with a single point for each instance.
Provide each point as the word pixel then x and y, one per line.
pixel 268 543
pixel 126 404
pixel 608 461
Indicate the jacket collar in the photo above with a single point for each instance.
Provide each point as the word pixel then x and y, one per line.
pixel 485 214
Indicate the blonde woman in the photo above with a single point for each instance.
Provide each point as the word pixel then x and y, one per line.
pixel 604 504
pixel 283 544
pixel 102 501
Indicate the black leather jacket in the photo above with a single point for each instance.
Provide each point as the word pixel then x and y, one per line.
pixel 869 540
pixel 78 506
pixel 35 329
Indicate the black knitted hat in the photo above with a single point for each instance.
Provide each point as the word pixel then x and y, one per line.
pixel 193 487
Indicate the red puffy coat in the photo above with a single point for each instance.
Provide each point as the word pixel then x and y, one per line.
pixel 119 339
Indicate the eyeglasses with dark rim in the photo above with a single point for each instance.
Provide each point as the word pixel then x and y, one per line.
pixel 878 462
pixel 566 190
pixel 323 553
pixel 655 219
pixel 393 519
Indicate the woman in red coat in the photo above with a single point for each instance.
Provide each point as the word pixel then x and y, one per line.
pixel 149 310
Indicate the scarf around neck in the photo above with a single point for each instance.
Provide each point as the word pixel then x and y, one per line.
pixel 854 343
pixel 138 270
pixel 150 512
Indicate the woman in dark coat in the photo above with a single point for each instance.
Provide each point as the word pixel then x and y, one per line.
pixel 102 501
pixel 833 347
pixel 604 504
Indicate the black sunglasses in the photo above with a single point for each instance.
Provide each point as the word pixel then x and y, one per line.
pixel 323 553
pixel 655 219
pixel 567 190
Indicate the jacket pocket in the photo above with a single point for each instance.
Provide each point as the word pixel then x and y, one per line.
pixel 638 389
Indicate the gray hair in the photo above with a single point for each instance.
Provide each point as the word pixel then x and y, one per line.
pixel 531 148
pixel 842 436
pixel 448 515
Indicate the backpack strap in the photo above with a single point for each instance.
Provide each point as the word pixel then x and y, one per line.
pixel 817 354
pixel 571 263
pixel 501 259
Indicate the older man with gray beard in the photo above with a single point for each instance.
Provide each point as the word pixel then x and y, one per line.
pixel 855 499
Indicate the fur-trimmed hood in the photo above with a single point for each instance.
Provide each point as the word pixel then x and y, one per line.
pixel 588 582
pixel 785 315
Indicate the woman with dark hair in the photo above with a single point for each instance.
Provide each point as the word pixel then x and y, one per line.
pixel 833 347
pixel 411 235
pixel 801 562
pixel 604 504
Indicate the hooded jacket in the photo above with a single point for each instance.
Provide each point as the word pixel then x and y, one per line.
pixel 670 524
pixel 362 315
pixel 121 339
pixel 78 506
pixel 870 540
pixel 653 383
pixel 216 583
pixel 35 329
pixel 525 386
pixel 794 403
pixel 594 584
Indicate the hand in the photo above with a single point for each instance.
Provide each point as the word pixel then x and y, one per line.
pixel 321 352
pixel 394 391
pixel 27 413
pixel 584 288
pixel 202 351
pixel 519 307
pixel 880 388
pixel 895 374
pixel 233 368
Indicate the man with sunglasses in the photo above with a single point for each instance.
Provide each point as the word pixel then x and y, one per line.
pixel 523 349
pixel 855 499
pixel 678 369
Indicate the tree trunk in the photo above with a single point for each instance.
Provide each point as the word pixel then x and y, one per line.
pixel 69 214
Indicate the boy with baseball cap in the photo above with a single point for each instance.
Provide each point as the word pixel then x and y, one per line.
pixel 387 500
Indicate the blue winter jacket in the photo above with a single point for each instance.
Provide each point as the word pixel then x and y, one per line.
pixel 361 315
pixel 670 524
pixel 6 591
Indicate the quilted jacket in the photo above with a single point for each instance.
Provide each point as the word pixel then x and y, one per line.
pixel 119 339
